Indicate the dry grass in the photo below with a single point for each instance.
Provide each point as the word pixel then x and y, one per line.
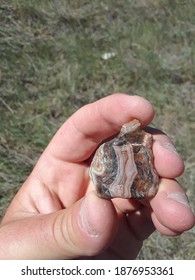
pixel 51 64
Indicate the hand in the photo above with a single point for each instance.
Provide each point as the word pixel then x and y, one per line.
pixel 57 215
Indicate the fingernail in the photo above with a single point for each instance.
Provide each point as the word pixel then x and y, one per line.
pixel 86 216
pixel 179 197
pixel 169 146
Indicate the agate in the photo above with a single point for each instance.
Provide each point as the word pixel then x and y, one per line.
pixel 124 166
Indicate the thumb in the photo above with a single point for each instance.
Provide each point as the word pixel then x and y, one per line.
pixel 89 226
pixel 85 229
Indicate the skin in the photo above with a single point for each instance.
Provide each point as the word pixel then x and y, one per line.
pixel 57 215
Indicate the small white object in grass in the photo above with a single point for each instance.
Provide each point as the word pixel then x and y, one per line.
pixel 108 55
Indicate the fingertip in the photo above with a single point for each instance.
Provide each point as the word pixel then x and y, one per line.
pixel 167 161
pixel 171 210
pixel 92 213
pixel 128 107
pixel 141 108
pixel 98 222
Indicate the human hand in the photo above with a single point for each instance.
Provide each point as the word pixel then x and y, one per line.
pixel 56 215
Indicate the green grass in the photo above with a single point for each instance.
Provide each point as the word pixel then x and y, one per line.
pixel 51 64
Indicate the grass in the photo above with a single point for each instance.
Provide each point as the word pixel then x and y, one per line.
pixel 51 64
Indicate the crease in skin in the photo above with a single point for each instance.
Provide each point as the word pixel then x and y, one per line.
pixel 83 134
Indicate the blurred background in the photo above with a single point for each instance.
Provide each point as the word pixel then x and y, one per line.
pixel 56 56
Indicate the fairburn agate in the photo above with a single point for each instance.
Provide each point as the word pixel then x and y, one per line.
pixel 123 166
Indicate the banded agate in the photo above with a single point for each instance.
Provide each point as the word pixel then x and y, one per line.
pixel 123 166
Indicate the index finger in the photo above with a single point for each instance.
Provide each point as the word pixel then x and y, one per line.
pixel 80 135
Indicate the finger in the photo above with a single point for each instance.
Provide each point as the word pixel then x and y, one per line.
pixel 167 161
pixel 126 244
pixel 134 227
pixel 82 132
pixel 169 209
pixel 137 215
pixel 141 223
pixel 81 230
pixel 172 214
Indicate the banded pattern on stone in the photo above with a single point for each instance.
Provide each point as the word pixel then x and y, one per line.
pixel 123 166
